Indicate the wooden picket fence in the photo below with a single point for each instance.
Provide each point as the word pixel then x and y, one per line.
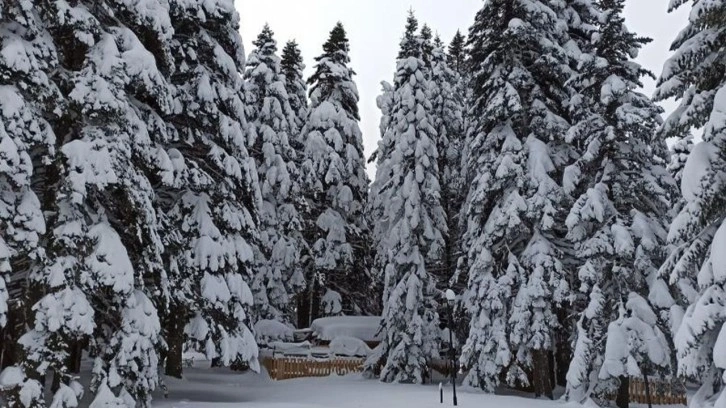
pixel 661 392
pixel 285 368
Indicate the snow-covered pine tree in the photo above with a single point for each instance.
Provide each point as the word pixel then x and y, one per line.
pixel 694 75
pixel 297 90
pixel 618 220
pixel 457 57
pixel 98 202
pixel 448 120
pixel 28 99
pixel 376 205
pixel 410 46
pixel 427 45
pixel 336 186
pixel 514 206
pixel 457 52
pixel 215 200
pixel 412 223
pixel 278 276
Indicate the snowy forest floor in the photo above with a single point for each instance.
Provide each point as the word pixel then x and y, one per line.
pixel 221 388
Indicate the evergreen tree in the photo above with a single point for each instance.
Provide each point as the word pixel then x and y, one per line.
pixel 29 100
pixel 457 52
pixel 621 191
pixel 278 275
pixel 411 42
pixel 694 75
pixel 514 206
pixel 297 89
pixel 103 237
pixel 427 45
pixel 336 185
pixel 214 199
pixel 448 121
pixel 411 224
pixel 136 149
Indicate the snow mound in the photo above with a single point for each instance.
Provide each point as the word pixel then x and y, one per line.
pixel 349 347
pixel 364 328
pixel 267 331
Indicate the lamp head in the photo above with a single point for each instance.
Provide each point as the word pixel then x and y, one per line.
pixel 450 296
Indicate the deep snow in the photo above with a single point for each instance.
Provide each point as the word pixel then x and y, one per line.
pixel 221 388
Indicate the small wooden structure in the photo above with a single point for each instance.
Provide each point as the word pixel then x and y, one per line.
pixel 287 367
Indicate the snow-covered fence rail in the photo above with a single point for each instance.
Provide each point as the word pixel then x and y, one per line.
pixel 661 392
pixel 285 368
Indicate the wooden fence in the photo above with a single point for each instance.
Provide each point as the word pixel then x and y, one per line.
pixel 285 368
pixel 661 392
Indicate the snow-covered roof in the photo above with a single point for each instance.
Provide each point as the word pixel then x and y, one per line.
pixel 360 327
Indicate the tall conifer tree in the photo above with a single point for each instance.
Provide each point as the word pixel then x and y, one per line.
pixel 336 186
pixel 695 76
pixel 411 226
pixel 514 206
pixel 278 276
pixel 292 68
pixel 617 222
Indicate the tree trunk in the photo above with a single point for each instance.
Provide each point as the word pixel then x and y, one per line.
pixel 563 349
pixel 622 400
pixel 74 360
pixel 11 350
pixel 542 374
pixel 303 309
pixel 175 342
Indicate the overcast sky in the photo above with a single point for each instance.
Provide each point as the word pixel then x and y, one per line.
pixel 375 27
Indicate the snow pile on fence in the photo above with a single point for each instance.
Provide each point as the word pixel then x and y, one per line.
pixel 365 328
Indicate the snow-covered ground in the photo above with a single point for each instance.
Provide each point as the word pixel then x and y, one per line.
pixel 220 388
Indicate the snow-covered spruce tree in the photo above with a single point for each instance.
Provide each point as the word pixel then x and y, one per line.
pixel 456 53
pixel 216 205
pixel 336 186
pixel 278 274
pixel 376 206
pixel 412 223
pixel 447 112
pixel 98 202
pixel 694 75
pixel 618 220
pixel 292 68
pixel 28 99
pixel 410 46
pixel 514 206
pixel 427 46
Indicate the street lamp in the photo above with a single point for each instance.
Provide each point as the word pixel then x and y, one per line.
pixel 450 299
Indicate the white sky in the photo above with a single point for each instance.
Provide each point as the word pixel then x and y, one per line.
pixel 375 26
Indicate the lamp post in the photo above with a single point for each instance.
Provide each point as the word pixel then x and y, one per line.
pixel 450 299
